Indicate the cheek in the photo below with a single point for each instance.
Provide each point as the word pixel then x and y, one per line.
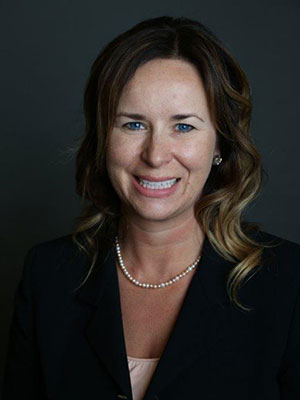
pixel 117 153
pixel 120 157
pixel 198 158
pixel 114 165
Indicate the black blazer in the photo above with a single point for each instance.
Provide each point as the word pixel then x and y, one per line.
pixel 70 345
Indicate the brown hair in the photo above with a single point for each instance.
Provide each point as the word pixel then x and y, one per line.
pixel 230 186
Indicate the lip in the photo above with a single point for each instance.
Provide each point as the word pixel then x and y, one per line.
pixel 155 193
pixel 153 179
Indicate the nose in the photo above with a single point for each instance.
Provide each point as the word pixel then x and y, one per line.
pixel 157 151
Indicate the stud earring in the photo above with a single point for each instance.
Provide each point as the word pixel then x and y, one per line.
pixel 217 160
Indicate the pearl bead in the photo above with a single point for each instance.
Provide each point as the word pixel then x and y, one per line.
pixel 151 285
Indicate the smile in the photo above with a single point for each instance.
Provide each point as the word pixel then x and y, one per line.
pixel 157 185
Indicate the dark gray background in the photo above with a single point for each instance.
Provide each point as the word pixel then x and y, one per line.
pixel 47 48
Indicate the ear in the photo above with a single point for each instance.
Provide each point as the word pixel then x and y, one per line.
pixel 217 151
pixel 217 143
pixel 217 157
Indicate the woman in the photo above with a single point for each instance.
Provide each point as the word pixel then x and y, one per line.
pixel 162 291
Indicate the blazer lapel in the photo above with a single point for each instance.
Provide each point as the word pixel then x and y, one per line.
pixel 200 323
pixel 105 329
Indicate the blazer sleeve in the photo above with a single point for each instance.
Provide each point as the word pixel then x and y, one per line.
pixel 289 378
pixel 23 376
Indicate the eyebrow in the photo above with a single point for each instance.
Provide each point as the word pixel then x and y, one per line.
pixel 176 117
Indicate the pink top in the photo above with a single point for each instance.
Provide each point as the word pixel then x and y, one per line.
pixel 141 371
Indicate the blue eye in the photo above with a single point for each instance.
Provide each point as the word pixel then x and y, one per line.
pixel 133 125
pixel 185 127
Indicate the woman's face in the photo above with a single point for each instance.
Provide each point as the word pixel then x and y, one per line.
pixel 161 148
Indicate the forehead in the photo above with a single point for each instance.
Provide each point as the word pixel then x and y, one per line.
pixel 165 83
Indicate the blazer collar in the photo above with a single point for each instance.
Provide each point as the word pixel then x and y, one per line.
pixel 200 323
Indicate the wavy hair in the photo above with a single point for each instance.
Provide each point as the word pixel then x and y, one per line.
pixel 230 187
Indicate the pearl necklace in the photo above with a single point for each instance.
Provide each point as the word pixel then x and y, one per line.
pixel 150 285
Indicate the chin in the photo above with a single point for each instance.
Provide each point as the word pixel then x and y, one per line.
pixel 156 215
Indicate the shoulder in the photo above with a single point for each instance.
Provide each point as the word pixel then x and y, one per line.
pixel 53 261
pixel 281 249
pixel 58 251
pixel 280 242
pixel 281 259
pixel 59 245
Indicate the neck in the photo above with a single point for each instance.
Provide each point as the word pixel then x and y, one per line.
pixel 156 252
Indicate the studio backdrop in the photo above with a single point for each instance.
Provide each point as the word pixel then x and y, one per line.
pixel 46 52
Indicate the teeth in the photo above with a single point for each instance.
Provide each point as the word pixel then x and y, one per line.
pixel 157 185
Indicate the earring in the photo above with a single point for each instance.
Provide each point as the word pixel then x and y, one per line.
pixel 217 160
